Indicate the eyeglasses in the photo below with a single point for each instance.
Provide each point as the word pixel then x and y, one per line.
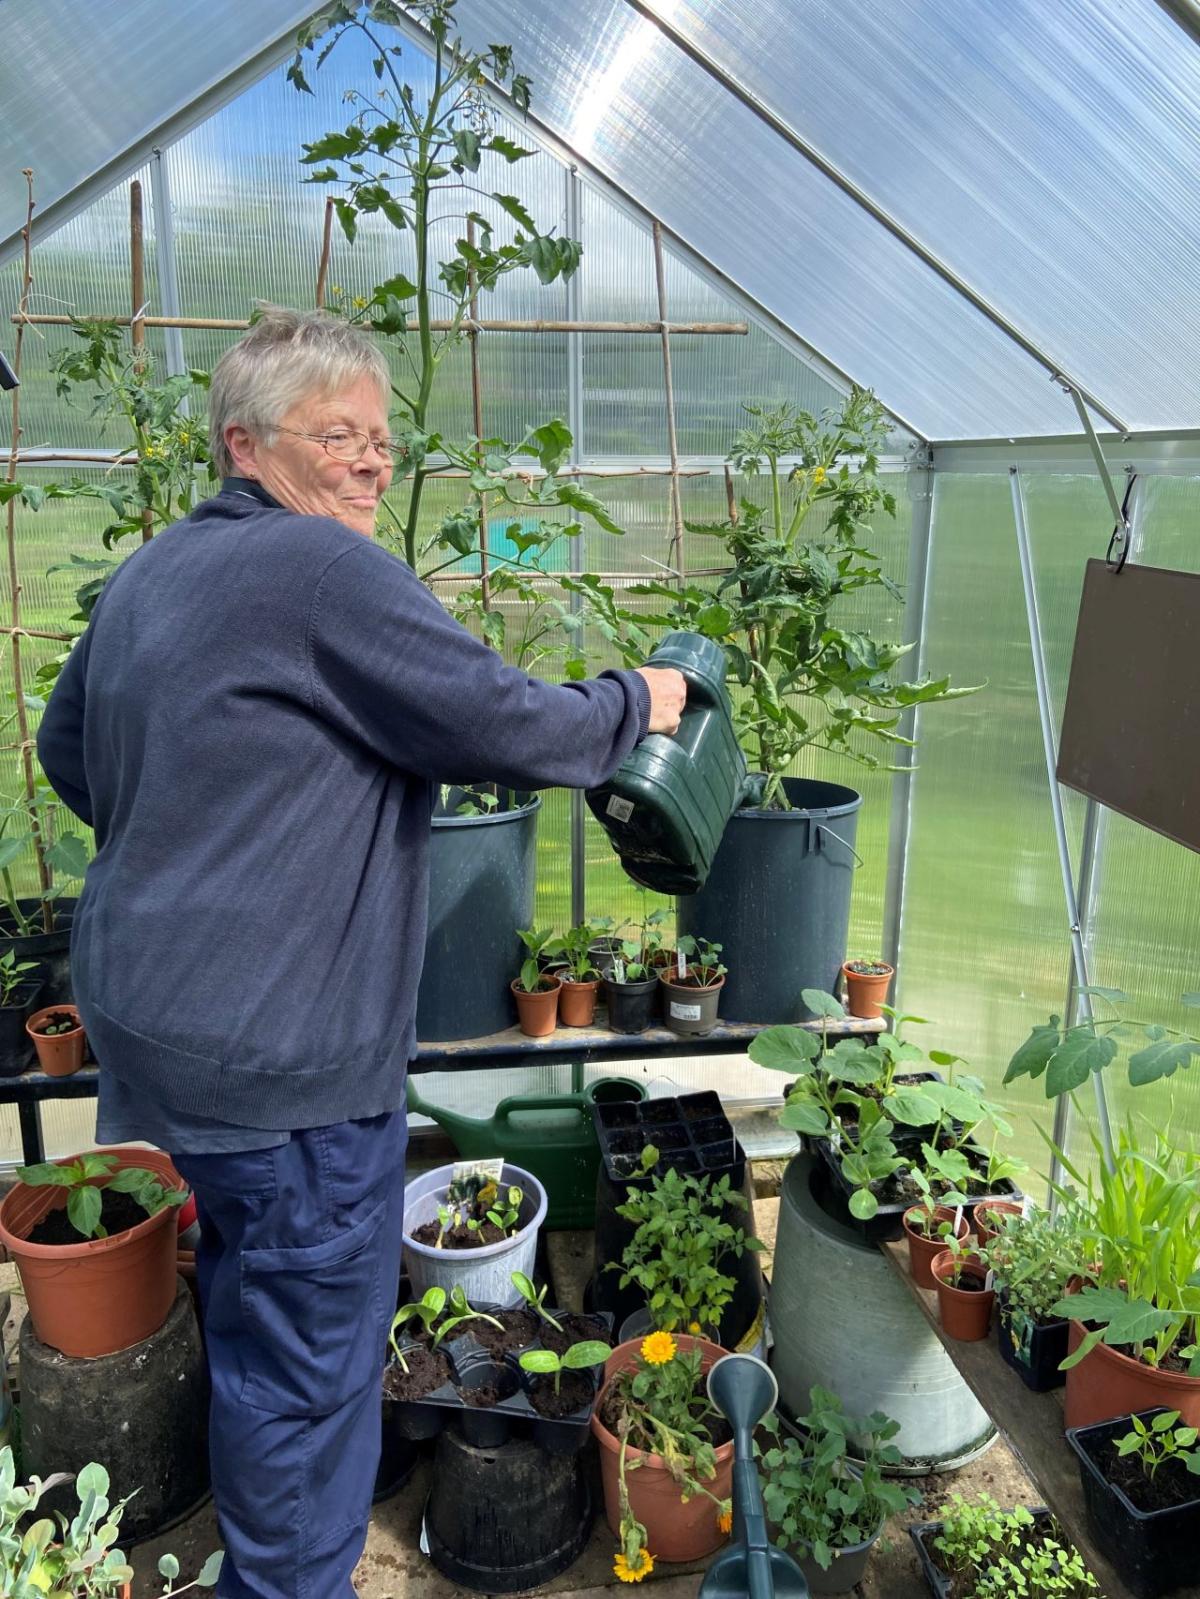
pixel 342 444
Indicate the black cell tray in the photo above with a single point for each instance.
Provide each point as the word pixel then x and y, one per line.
pixel 691 1132
pixel 514 1416
pixel 924 1532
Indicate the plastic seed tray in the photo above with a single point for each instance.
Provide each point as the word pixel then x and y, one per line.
pixel 691 1132
pixel 924 1532
pixel 513 1416
pixel 887 1224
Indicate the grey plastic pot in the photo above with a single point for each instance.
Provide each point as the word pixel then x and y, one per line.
pixel 484 1274
pixel 690 1010
pixel 845 1573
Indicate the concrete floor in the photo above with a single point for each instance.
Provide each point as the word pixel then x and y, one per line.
pixel 392 1566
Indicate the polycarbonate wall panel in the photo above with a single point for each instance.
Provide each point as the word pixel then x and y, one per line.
pixel 985 949
pixel 609 84
pixel 1044 151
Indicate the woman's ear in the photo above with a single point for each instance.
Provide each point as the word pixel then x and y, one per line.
pixel 243 449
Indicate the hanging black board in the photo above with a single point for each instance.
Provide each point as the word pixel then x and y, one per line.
pixel 1131 729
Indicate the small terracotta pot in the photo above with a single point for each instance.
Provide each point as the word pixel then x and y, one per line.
pixel 1107 1383
pixel 100 1295
pixel 923 1251
pixel 866 995
pixel 987 1208
pixel 537 1013
pixel 62 1054
pixel 675 1529
pixel 966 1314
pixel 577 1002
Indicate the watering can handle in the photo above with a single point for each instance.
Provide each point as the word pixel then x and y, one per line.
pixel 823 827
pixel 539 1102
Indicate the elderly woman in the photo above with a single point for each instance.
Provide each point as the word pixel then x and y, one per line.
pixel 254 724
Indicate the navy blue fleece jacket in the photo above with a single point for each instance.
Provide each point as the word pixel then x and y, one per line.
pixel 254 723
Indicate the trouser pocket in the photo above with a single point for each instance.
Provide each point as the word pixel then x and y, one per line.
pixel 312 1320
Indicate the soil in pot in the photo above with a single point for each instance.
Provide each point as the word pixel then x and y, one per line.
pixel 574 1394
pixel 427 1369
pixel 485 1385
pixel 575 1330
pixel 965 1307
pixel 461 1237
pixel 118 1213
pixel 518 1329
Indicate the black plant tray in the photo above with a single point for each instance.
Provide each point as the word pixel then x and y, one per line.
pixel 936 1580
pixel 514 1415
pixel 1153 1551
pixel 887 1224
pixel 691 1133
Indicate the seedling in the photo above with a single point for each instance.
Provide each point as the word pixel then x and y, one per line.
pixel 628 967
pixel 927 1220
pixel 579 1357
pixel 449 1217
pixel 537 941
pixel 428 1308
pixel 533 1297
pixel 1159 1442
pixel 13 975
pixel 506 1215
pixel 705 962
pixel 84 1201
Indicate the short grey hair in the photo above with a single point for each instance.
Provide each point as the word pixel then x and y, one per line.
pixel 286 356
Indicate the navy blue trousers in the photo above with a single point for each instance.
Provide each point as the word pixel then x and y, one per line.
pixel 297 1266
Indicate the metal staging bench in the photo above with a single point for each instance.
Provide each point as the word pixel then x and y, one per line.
pixel 574 1046
pixel 1032 1425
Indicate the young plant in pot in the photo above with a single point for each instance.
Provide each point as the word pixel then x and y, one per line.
pixel 630 990
pixel 19 991
pixel 1034 1257
pixel 60 1557
pixel 666 1454
pixel 866 986
pixel 580 979
pixel 536 991
pixel 682 1238
pixel 417 1333
pixel 827 1498
pixel 548 1394
pixel 979 1551
pixel 1141 1491
pixel 692 987
pixel 965 1293
pixel 472 1230
pixel 59 1038
pixel 927 1225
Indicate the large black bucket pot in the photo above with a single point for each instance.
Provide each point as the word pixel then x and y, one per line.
pixel 482 877
pixel 508 1519
pixel 778 901
pixel 51 951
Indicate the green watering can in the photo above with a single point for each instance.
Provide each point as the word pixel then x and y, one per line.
pixel 666 807
pixel 550 1135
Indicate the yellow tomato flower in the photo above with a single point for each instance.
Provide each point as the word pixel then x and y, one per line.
pixel 725 1518
pixel 658 1349
pixel 359 303
pixel 818 474
pixel 635 1570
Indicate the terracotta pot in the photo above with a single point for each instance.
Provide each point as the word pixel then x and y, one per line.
pixel 537 1013
pixel 986 1208
pixel 965 1314
pixel 675 1529
pixel 62 1054
pixel 865 995
pixel 102 1294
pixel 923 1251
pixel 577 1003
pixel 1107 1383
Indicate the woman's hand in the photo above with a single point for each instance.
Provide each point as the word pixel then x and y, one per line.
pixel 668 694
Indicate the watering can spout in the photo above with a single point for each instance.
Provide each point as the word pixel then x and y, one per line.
pixel 744 1389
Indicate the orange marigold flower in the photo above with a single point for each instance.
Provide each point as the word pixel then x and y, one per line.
pixel 658 1349
pixel 634 1570
pixel 725 1518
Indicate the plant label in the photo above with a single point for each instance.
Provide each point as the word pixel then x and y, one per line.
pixel 490 1170
pixel 684 1013
pixel 619 809
pixel 681 964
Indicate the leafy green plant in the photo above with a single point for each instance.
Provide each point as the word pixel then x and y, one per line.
pixel 14 975
pixel 923 1215
pixel 1160 1443
pixel 428 1309
pixel 505 1212
pixel 681 1240
pixel 996 1554
pixel 538 942
pixel 575 948
pixel 829 1492
pixel 804 679
pixel 1067 1056
pixel 544 1362
pixel 535 1298
pixel 29 835
pixel 964 1257
pixel 60 1557
pixel 703 960
pixel 628 966
pixel 1034 1256
pixel 84 1194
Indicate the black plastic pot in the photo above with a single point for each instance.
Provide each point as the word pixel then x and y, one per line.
pixel 938 1581
pixel 1154 1551
pixel 482 872
pixel 778 901
pixel 833 1192
pixel 603 951
pixel 16 1046
pixel 1034 1350
pixel 632 1007
pixel 398 1456
pixel 52 951
pixel 508 1519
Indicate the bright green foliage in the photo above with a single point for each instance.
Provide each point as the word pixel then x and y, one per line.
pixel 535 1298
pixel 544 1362
pixel 428 1311
pixel 1160 1442
pixel 830 1492
pixel 680 1244
pixel 14 974
pixel 60 1557
pixel 1069 1055
pixel 84 1201
pixel 1034 1256
pixel 575 948
pixel 703 959
pixel 999 1554
pixel 538 941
